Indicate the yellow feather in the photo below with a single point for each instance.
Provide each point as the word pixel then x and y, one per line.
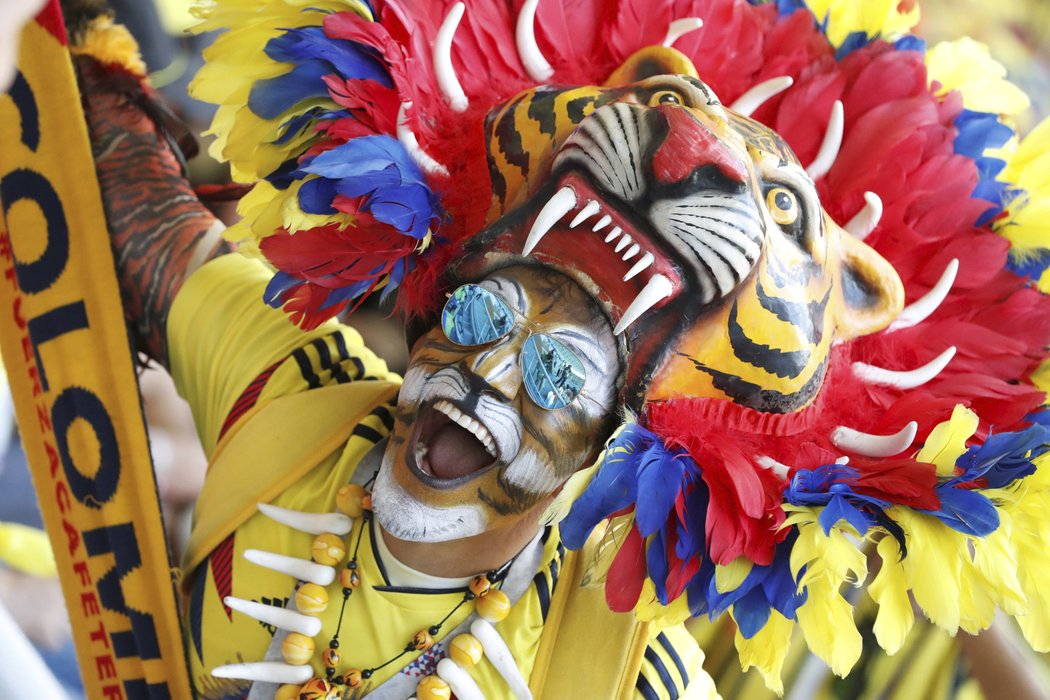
pixel 967 66
pixel 933 567
pixel 1030 531
pixel 889 590
pixel 730 576
pixel 649 608
pixel 767 650
pixel 872 17
pixel 573 488
pixel 947 442
pixel 1028 169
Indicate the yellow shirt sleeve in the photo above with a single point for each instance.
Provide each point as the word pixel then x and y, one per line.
pixel 222 337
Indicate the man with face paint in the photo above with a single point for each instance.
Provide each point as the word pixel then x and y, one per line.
pixel 458 463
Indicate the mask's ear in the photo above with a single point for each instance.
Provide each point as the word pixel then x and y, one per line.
pixel 649 63
pixel 872 292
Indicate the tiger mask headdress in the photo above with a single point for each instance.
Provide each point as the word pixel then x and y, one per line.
pixel 696 226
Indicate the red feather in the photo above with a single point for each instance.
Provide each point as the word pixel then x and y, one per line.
pixel 623 586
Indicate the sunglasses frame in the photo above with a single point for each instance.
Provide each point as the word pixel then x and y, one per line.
pixel 534 330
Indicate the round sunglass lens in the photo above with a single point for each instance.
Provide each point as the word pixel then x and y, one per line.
pixel 552 373
pixel 475 316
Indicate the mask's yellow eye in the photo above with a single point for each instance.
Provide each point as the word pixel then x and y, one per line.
pixel 665 97
pixel 782 205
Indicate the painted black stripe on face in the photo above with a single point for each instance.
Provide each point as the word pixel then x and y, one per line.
pixel 577 108
pixel 541 111
pixel 786 364
pixel 755 397
pixel 806 317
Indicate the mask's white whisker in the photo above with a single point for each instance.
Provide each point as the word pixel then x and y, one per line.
pixel 754 98
pixel 408 139
pixel 867 218
pixel 772 465
pixel 870 445
pixel 525 35
pixel 443 70
pixel 907 379
pixel 680 27
pixel 920 309
pixel 829 148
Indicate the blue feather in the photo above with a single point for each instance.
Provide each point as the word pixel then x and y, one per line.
pixel 751 612
pixel 347 59
pixel 656 565
pixel 967 511
pixel 272 97
pixel 316 195
pixel 661 475
pixel 1004 457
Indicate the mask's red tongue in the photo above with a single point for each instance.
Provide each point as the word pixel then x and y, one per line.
pixel 455 452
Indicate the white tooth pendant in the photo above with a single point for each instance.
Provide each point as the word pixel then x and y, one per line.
pixel 525 37
pixel 301 569
pixel 443 70
pixel 867 218
pixel 287 620
pixel 587 212
pixel 756 96
pixel 870 445
pixel 680 27
pixel 829 147
pixel 908 379
pixel 311 523
pixel 658 289
pixel 553 211
pixel 920 309
pixel 266 672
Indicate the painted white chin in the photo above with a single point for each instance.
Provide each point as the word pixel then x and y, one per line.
pixel 409 519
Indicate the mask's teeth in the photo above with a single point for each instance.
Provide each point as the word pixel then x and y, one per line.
pixel 616 231
pixel 556 207
pixel 587 212
pixel 631 252
pixel 602 223
pixel 642 264
pixel 623 242
pixel 658 289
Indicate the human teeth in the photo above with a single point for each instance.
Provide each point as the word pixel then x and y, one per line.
pixel 469 424
pixel 556 207
pixel 613 234
pixel 587 212
pixel 624 242
pixel 602 223
pixel 631 252
pixel 645 262
pixel 658 289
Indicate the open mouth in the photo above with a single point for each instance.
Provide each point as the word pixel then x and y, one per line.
pixel 449 446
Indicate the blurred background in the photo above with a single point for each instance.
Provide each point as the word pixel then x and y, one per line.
pixel 1017 31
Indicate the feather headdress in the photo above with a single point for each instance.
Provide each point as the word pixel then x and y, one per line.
pixel 361 126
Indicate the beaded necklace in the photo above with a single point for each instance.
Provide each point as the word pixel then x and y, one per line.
pixel 328 549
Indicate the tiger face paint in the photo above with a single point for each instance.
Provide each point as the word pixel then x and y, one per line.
pixel 470 450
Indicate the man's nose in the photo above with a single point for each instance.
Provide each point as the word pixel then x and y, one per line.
pixel 497 366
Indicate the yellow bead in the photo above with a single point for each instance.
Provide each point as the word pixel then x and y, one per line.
pixel 433 688
pixel 349 578
pixel 330 657
pixel 311 599
pixel 297 649
pixel 287 692
pixel 422 641
pixel 328 549
pixel 352 678
pixel 366 502
pixel 465 650
pixel 479 585
pixel 315 689
pixel 493 606
pixel 348 500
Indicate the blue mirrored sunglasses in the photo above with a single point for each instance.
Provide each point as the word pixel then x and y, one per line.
pixel 553 374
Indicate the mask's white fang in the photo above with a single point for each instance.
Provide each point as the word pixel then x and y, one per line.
pixel 658 289
pixel 408 140
pixel 642 264
pixel 867 218
pixel 525 35
pixel 587 212
pixel 302 569
pixel 772 465
pixel 870 445
pixel 680 27
pixel 754 98
pixel 904 380
pixel 556 207
pixel 842 460
pixel 602 223
pixel 623 242
pixel 443 70
pixel 631 252
pixel 829 148
pixel 613 234
pixel 266 672
pixel 310 523
pixel 288 620
pixel 920 309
